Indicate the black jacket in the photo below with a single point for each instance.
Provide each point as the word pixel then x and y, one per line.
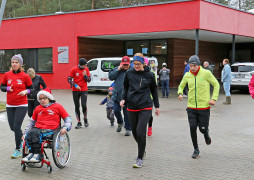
pixel 138 87
pixel 37 83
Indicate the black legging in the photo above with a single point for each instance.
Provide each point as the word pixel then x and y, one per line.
pixel 76 98
pixel 138 121
pixel 16 116
pixel 32 104
pixel 150 122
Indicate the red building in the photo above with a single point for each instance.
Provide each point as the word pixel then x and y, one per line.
pixel 172 32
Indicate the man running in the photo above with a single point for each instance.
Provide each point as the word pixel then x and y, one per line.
pixel 199 101
pixel 78 79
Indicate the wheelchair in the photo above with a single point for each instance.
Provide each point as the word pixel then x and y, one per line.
pixel 61 151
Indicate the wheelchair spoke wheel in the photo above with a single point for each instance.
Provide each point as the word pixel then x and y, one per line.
pixel 61 149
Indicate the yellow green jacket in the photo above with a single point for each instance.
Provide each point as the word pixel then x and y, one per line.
pixel 199 88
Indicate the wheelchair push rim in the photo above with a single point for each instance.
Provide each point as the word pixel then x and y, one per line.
pixel 61 149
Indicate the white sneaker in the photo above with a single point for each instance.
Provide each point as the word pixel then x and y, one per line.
pixel 35 158
pixel 28 157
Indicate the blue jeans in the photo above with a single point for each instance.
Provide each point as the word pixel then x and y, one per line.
pixel 226 86
pixel 117 111
pixel 165 87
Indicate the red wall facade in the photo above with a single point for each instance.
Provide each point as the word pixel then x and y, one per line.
pixel 64 30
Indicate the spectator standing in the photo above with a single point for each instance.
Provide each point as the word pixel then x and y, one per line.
pixel 78 79
pixel 17 84
pixel 117 75
pixel 207 66
pixel 164 77
pixel 186 69
pixel 32 97
pixel 226 80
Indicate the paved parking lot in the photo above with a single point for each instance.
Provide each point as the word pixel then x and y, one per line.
pixel 98 152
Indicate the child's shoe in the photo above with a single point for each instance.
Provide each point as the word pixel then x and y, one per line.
pixel 16 154
pixel 28 157
pixel 35 158
pixel 149 132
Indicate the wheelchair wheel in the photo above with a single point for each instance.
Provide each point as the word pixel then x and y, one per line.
pixel 23 167
pixel 61 149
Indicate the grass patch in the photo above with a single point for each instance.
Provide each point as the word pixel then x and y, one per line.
pixel 2 106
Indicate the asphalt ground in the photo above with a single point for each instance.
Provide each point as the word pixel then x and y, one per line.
pixel 99 152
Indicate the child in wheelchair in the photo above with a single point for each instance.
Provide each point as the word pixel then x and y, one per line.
pixel 45 121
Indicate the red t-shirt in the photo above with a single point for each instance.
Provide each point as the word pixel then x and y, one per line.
pixel 19 82
pixel 78 78
pixel 49 117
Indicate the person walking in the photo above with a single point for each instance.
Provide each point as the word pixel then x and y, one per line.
pixel 207 66
pixel 186 69
pixel 32 97
pixel 78 79
pixel 117 75
pixel 164 77
pixel 139 84
pixel 110 106
pixel 17 84
pixel 226 80
pixel 251 87
pixel 199 101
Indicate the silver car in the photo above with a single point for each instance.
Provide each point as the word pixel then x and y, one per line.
pixel 241 74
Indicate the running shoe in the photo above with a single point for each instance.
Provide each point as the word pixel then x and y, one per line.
pixel 86 122
pixel 138 163
pixel 79 125
pixel 112 123
pixel 149 132
pixel 128 133
pixel 28 157
pixel 16 154
pixel 119 127
pixel 35 158
pixel 195 154
pixel 208 140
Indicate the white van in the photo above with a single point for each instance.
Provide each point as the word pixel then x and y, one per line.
pixel 99 68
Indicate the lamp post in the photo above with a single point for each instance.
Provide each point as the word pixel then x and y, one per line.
pixel 2 10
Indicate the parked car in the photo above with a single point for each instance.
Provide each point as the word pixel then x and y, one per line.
pixel 99 68
pixel 241 75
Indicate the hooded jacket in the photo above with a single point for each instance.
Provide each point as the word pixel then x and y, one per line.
pixel 199 88
pixel 138 87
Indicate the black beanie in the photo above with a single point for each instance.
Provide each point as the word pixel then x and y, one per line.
pixel 82 61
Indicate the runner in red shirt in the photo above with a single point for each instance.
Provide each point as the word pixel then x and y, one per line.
pixel 45 120
pixel 17 84
pixel 78 79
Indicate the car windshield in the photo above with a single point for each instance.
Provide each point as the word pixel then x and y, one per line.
pixel 242 68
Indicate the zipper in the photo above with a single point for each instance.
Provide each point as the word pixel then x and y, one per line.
pixel 141 82
pixel 196 92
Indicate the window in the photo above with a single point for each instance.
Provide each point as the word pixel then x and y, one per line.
pixel 39 59
pixel 92 65
pixel 107 65
pixel 158 47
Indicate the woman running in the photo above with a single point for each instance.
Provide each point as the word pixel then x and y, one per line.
pixel 139 84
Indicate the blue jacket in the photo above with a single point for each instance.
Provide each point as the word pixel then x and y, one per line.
pixel 186 69
pixel 226 74
pixel 109 101
pixel 118 78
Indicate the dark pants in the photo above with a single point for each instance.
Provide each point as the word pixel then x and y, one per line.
pixel 117 111
pixel 76 98
pixel 110 114
pixel 138 121
pixel 16 116
pixel 34 138
pixel 150 122
pixel 165 87
pixel 185 90
pixel 198 118
pixel 32 104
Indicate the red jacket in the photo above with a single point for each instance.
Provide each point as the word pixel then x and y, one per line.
pixel 251 87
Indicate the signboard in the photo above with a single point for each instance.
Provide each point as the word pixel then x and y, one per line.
pixel 63 54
